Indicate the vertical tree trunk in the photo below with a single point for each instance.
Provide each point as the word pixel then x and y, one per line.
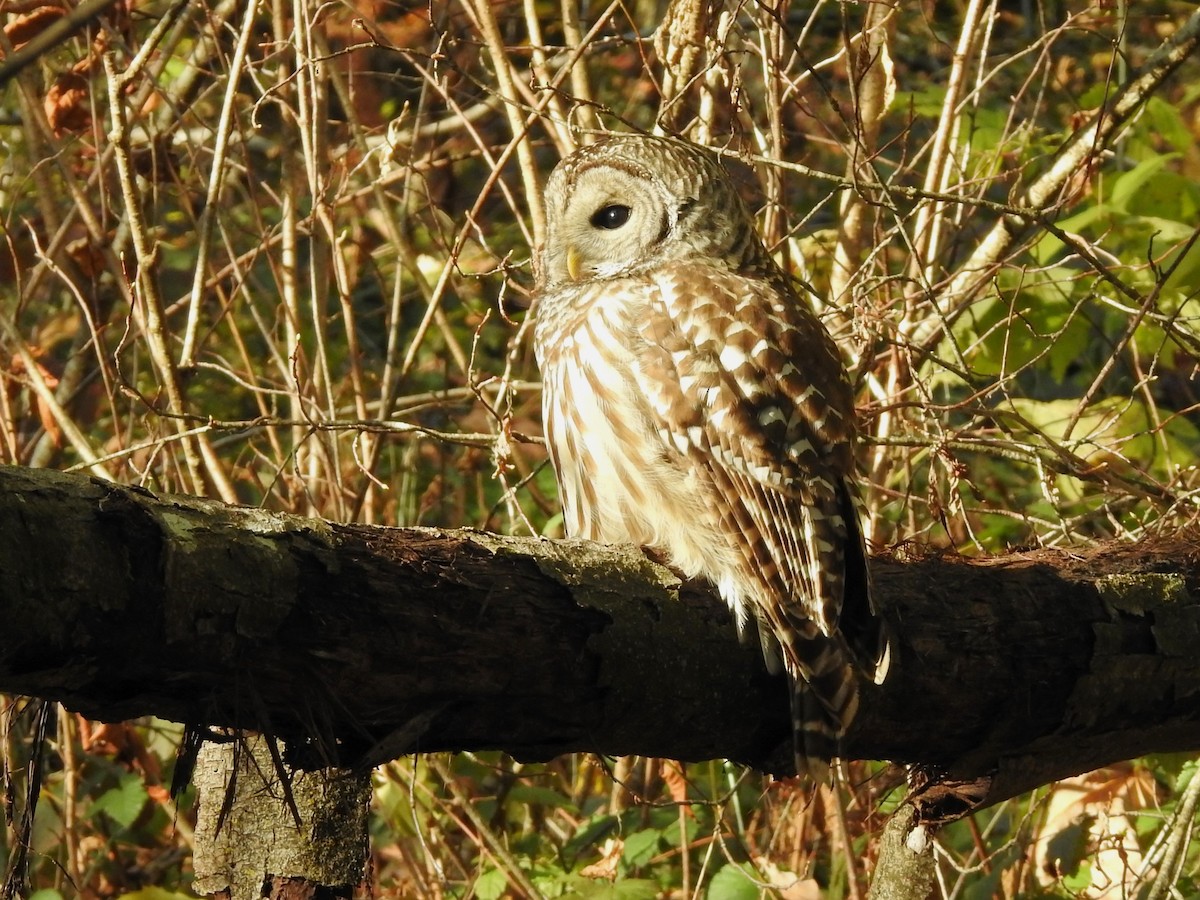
pixel 905 870
pixel 264 830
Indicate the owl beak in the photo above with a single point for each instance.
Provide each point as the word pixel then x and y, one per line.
pixel 572 263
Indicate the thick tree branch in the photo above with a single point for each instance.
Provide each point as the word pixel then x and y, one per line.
pixel 120 603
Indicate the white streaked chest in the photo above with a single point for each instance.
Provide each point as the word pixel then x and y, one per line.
pixel 620 480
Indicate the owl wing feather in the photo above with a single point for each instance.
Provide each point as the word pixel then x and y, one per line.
pixel 755 385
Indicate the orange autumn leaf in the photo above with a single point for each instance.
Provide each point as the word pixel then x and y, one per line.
pixel 23 29
pixel 67 104
pixel 676 781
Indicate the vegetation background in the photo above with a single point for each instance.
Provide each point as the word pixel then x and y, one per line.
pixel 279 254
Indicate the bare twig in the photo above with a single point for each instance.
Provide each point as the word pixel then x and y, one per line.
pixel 1083 146
pixel 216 177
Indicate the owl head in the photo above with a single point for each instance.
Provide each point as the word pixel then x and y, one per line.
pixel 631 202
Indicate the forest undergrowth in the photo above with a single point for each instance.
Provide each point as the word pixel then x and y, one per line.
pixel 279 254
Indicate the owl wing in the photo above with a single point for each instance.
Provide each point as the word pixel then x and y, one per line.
pixel 746 382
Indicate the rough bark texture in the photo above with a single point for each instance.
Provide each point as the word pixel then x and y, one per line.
pixel 1010 672
pixel 306 838
pixel 903 872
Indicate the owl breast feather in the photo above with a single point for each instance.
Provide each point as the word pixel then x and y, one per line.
pixel 619 480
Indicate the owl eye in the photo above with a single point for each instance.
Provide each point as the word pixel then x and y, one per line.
pixel 611 217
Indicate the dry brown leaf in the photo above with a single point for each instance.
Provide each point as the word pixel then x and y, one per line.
pixel 49 422
pixel 88 257
pixel 672 774
pixel 606 866
pixel 789 885
pixel 121 742
pixel 67 104
pixel 23 29
pixel 16 367
pixel 1097 802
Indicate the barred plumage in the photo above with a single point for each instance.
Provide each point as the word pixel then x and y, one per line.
pixel 695 405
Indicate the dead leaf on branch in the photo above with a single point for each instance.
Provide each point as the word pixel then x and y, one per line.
pixel 606 866
pixel 24 28
pixel 67 104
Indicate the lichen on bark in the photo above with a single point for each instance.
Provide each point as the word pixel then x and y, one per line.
pixel 258 820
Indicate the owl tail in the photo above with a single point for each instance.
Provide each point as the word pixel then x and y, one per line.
pixel 824 702
pixel 867 637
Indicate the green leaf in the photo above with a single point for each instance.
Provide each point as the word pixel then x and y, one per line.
pixel 49 894
pixel 1079 880
pixel 123 803
pixel 491 885
pixel 1165 122
pixel 1186 773
pixel 634 889
pixel 589 833
pixel 1067 850
pixel 927 102
pixel 1132 182
pixel 530 794
pixel 1186 276
pixel 146 893
pixel 625 889
pixel 734 883
pixel 640 847
pixel 553 524
pixel 1165 231
pixel 1049 246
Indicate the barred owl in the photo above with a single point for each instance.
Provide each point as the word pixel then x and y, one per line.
pixel 694 404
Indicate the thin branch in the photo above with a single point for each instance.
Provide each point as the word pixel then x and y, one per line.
pixel 216 178
pixel 1083 147
pixel 48 38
